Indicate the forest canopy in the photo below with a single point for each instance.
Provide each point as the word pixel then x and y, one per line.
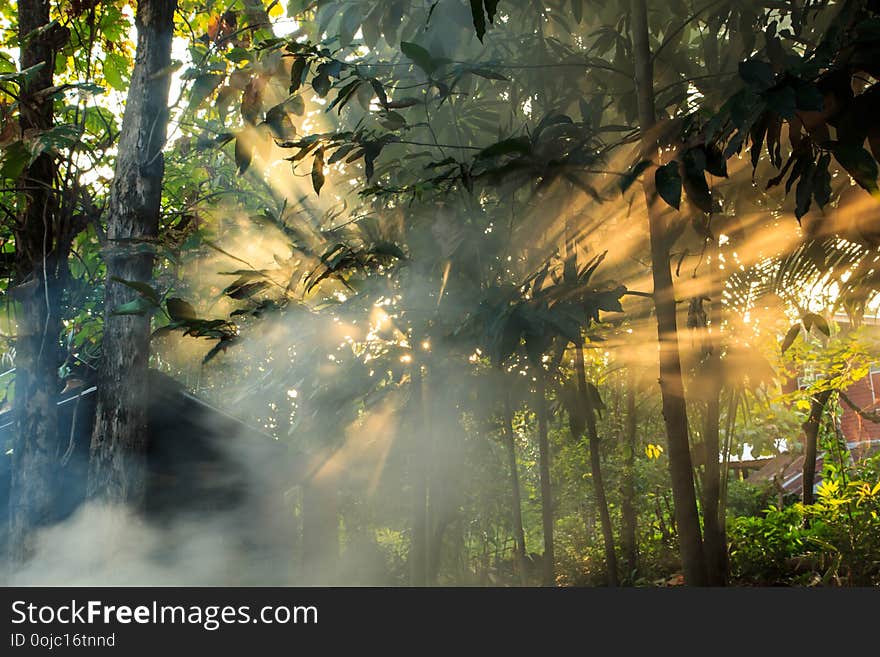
pixel 578 292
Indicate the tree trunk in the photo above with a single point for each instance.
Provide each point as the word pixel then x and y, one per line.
pixel 548 562
pixel 37 352
pixel 419 545
pixel 811 438
pixel 519 550
pixel 628 489
pixel 671 383
pixel 596 468
pixel 713 530
pixel 119 441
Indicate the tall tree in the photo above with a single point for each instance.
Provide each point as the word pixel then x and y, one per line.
pixel 713 528
pixel 516 498
pixel 628 493
pixel 40 254
pixel 119 440
pixel 548 563
pixel 811 438
pixel 671 383
pixel 589 406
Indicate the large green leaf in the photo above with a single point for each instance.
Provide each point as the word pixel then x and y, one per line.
pixel 420 57
pixel 668 182
pixel 858 163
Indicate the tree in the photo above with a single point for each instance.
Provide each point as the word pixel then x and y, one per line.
pixel 42 246
pixel 119 440
pixel 671 383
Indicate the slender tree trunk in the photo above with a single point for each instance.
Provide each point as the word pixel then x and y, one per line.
pixel 37 352
pixel 418 551
pixel 811 439
pixel 548 562
pixel 519 550
pixel 671 383
pixel 596 468
pixel 628 492
pixel 715 540
pixel 119 440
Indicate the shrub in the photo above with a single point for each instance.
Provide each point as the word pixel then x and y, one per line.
pixel 835 541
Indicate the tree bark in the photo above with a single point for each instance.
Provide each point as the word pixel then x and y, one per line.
pixel 519 550
pixel 548 562
pixel 119 440
pixel 671 383
pixel 596 468
pixel 628 492
pixel 811 438
pixel 38 321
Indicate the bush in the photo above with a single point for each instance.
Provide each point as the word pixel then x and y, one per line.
pixel 747 499
pixel 835 541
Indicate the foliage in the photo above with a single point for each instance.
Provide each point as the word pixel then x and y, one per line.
pixel 832 542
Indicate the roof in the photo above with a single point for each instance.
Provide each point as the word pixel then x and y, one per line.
pixel 788 468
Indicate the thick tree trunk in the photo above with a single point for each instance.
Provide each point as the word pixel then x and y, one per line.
pixel 519 550
pixel 628 489
pixel 596 468
pixel 119 441
pixel 811 439
pixel 37 353
pixel 671 383
pixel 713 530
pixel 548 562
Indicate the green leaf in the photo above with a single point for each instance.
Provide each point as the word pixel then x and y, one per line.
pixel 296 105
pixel 783 101
pixel 520 145
pixel 318 170
pixel 595 397
pixel 695 179
pixel 388 249
pixel 668 182
pixel 222 345
pixel 116 71
pixel 321 85
pixel 716 163
pixel 489 74
pixel 344 95
pixel 420 57
pixel 577 10
pixel 858 163
pixel 180 310
pixel 242 289
pixel 297 72
pixel 790 337
pixel 491 9
pixel 757 73
pixel 349 24
pixel 632 175
pixel 479 18
pixel 203 86
pixel 244 153
pixel 380 92
pixel 822 181
pixel 804 191
pixel 15 157
pixel 812 319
